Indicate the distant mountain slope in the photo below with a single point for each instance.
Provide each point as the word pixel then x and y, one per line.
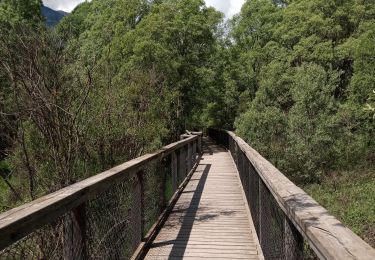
pixel 52 17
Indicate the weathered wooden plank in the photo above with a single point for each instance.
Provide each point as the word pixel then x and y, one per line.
pixel 190 250
pixel 174 170
pixel 210 219
pixel 20 221
pixel 241 244
pixel 329 238
pixel 202 255
pixel 210 246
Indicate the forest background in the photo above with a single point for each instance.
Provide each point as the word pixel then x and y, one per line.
pixel 116 79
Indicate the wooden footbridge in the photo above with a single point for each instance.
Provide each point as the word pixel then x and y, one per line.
pixel 211 218
pixel 208 197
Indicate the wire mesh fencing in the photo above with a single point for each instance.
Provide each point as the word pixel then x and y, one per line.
pixel 110 224
pixel 45 243
pixel 278 236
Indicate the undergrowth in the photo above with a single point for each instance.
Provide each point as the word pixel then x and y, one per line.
pixel 350 197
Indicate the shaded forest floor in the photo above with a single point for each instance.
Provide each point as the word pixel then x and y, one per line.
pixel 350 197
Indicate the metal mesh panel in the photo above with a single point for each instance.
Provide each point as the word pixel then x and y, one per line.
pixel 181 165
pixel 52 241
pixel 109 222
pixel 254 196
pixel 271 225
pixel 246 178
pixel 110 225
pixel 155 177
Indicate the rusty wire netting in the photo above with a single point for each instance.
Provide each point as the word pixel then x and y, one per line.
pixel 156 180
pixel 105 228
pixel 48 242
pixel 278 237
pixel 110 225
pixel 109 220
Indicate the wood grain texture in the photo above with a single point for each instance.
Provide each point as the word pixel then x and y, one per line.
pixel 19 222
pixel 210 219
pixel 329 238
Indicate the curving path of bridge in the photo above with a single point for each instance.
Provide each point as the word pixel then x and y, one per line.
pixel 211 218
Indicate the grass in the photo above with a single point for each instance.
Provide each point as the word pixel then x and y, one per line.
pixel 350 196
pixel 4 168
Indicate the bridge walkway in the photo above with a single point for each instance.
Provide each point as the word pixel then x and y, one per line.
pixel 211 218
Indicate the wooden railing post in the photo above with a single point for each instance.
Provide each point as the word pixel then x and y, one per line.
pixel 64 211
pixel 200 149
pixel 75 233
pixel 174 171
pixel 285 217
pixel 235 146
pixel 137 211
pixel 293 242
pixel 182 164
pixel 189 157
pixel 261 213
pixel 240 164
pixel 194 152
pixel 246 173
pixel 163 174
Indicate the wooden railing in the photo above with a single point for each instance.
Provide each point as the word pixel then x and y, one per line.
pixel 286 219
pixel 106 216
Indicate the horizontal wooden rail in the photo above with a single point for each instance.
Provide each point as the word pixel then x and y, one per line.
pixel 326 235
pixel 21 221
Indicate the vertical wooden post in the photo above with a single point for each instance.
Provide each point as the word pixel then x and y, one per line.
pixel 137 211
pixel 175 183
pixel 240 165
pixel 246 181
pixel 189 157
pixel 200 148
pixel 142 200
pixel 163 181
pixel 182 164
pixel 236 153
pixel 230 146
pixel 75 233
pixel 194 152
pixel 293 242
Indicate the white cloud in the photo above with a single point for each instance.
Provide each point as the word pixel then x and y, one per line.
pixel 64 5
pixel 228 7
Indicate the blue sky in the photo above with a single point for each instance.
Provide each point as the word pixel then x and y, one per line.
pixel 228 7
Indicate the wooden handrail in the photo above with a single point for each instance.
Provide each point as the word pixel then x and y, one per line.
pixel 19 222
pixel 327 236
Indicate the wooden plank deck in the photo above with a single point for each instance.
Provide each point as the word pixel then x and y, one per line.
pixel 211 218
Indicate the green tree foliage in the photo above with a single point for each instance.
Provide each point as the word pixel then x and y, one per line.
pixel 371 104
pixel 177 39
pixel 306 69
pixel 119 78
pixel 12 11
pixel 114 80
pixel 12 14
